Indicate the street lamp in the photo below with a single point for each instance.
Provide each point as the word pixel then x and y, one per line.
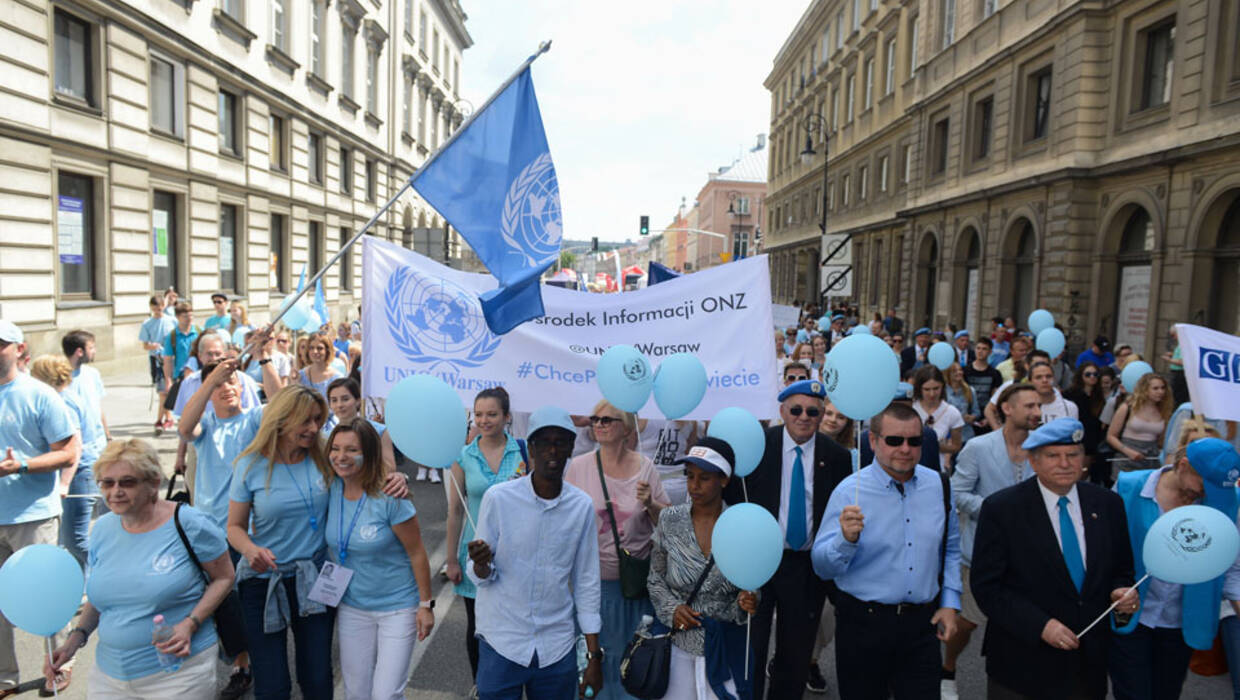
pixel 738 228
pixel 817 123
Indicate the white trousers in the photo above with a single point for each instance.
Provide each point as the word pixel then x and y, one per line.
pixel 195 680
pixel 687 678
pixel 375 651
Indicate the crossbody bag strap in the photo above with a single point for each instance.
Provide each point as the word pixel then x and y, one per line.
pixel 615 534
pixel 176 519
pixel 697 586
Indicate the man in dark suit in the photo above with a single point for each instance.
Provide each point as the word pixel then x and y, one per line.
pixel 914 356
pixel 802 463
pixel 964 349
pixel 1051 554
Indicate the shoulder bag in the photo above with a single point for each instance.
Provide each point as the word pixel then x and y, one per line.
pixel 229 625
pixel 633 570
pixel 645 667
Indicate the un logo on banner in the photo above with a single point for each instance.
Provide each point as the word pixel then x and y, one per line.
pixel 434 320
pixel 531 224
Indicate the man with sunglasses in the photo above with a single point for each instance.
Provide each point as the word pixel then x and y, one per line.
pixel 929 442
pixel 220 319
pixel 798 471
pixel 898 574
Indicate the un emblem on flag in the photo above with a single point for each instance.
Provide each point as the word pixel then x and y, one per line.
pixel 433 320
pixel 531 224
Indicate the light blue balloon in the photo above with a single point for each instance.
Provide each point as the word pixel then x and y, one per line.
pixel 679 385
pixel 625 377
pixel 1051 341
pixel 941 355
pixel 426 420
pixel 824 323
pixel 747 545
pixel 298 315
pixel 860 375
pixel 41 588
pixel 860 329
pixel 1133 371
pixel 338 365
pixel 743 433
pixel 1040 320
pixel 1190 544
pixel 312 325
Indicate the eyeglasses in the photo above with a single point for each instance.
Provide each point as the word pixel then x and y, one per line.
pixel 795 378
pixel 1089 374
pixel 603 420
pixel 898 440
pixel 811 411
pixel 125 482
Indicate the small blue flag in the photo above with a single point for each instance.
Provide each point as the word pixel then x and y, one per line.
pixel 658 272
pixel 320 302
pixel 301 281
pixel 496 185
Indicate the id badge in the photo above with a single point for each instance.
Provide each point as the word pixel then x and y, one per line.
pixel 331 584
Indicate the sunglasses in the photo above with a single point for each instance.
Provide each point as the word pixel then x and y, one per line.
pixel 795 378
pixel 125 482
pixel 812 412
pixel 898 440
pixel 603 420
pixel 1090 374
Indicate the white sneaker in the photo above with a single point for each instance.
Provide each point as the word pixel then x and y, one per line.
pixel 947 690
pixel 422 473
pixel 435 478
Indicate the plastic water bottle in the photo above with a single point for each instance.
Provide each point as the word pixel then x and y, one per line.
pixel 643 629
pixel 163 631
pixel 582 649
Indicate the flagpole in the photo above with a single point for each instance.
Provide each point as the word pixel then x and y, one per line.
pixel 287 304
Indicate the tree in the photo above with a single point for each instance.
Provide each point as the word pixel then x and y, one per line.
pixel 567 259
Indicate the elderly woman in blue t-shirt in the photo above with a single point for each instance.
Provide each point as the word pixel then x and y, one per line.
pixel 140 569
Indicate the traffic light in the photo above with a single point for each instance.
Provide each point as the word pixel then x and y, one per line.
pixel 644 226
pixel 594 244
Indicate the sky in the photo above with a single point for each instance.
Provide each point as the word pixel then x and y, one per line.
pixel 640 99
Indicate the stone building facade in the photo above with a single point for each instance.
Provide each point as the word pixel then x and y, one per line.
pixel 209 145
pixel 990 158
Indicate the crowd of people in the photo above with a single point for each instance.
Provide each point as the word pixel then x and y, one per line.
pixel 1011 490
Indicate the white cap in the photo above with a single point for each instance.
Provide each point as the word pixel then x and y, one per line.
pixel 10 333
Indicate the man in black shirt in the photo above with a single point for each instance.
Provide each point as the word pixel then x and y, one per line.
pixel 984 380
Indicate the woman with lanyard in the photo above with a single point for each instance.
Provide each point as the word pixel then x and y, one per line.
pixel 374 541
pixel 319 373
pixel 277 511
pixel 344 398
pixel 491 458
pixel 937 414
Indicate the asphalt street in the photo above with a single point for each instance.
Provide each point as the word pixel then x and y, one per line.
pixel 440 669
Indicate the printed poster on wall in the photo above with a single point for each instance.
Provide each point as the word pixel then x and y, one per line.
pixel 226 254
pixel 1132 321
pixel 70 229
pixel 159 238
pixel 970 304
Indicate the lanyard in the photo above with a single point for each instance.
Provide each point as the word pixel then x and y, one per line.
pixel 306 501
pixel 344 537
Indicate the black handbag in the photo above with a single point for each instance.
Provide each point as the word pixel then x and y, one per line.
pixel 646 665
pixel 229 625
pixel 633 570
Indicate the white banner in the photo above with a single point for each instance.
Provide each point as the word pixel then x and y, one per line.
pixel 1212 369
pixel 421 317
pixel 1132 320
pixel 785 316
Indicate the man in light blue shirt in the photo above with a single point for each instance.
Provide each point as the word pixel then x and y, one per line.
pixel 220 318
pixel 535 563
pixel 79 349
pixel 154 331
pixel 38 438
pixel 899 575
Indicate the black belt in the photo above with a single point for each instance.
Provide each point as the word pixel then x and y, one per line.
pixel 849 602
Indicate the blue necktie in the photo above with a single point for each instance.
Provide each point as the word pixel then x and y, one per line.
pixel 796 504
pixel 1071 548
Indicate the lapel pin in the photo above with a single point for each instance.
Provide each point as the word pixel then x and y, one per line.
pixel 1094 516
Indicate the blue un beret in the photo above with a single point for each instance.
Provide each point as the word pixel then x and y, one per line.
pixel 962 334
pixel 922 331
pixel 808 387
pixel 1061 431
pixel 903 392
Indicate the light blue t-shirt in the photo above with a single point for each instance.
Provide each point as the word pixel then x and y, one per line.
pixel 218 445
pixel 131 578
pixel 156 330
pixel 238 335
pixel 287 516
pixel 88 385
pixel 217 322
pixel 333 421
pixel 32 417
pixel 382 576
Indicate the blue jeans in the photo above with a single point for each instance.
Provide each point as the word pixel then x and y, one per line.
pixel 76 515
pixel 1230 628
pixel 1148 663
pixel 501 679
pixel 312 638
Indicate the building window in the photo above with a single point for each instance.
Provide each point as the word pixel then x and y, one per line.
pixel 230 260
pixel 1159 65
pixel 317 28
pixel 279 25
pixel 422 117
pixel 167 93
pixel 914 37
pixel 347 39
pixel 165 243
pixel 876 269
pixel 422 31
pixel 989 7
pixel 882 174
pixel 409 18
pixel 948 31
pixel 856 15
pixel 346 261
pixel 863 184
pixel 75 234
pixel 983 125
pixel 407 121
pixel 839 29
pixel 314 246
pixel 314 158
pixel 835 109
pixel 229 119
pixel 278 147
pixel 830 196
pixel 826 42
pixel 456 76
pixel 372 180
pixel 873 5
pixel 277 264
pixel 372 81
pixel 234 9
pixel 434 129
pixel 435 50
pixel 869 83
pixel 845 186
pixel 889 75
pixel 75 59
pixel 850 97
pixel 938 146
pixel 1039 95
pixel 346 170
pixel 907 158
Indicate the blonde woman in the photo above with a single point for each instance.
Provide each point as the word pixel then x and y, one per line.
pixel 140 568
pixel 56 372
pixel 238 324
pixel 636 498
pixel 319 373
pixel 1136 431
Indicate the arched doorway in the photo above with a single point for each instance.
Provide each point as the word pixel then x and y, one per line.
pixel 1216 269
pixel 968 282
pixel 1020 252
pixel 1133 269
pixel 927 278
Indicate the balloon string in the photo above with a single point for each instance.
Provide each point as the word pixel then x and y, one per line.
pixel 460 494
pixel 857 467
pixel 744 489
pixel 50 658
pixel 748 661
pixel 1108 610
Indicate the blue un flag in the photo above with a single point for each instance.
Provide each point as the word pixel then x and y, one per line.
pixel 496 184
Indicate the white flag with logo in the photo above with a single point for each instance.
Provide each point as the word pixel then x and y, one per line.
pixel 1212 368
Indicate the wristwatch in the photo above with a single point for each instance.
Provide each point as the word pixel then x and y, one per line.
pixel 85 635
pixel 22 467
pixel 428 604
pixel 264 361
pixel 592 655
